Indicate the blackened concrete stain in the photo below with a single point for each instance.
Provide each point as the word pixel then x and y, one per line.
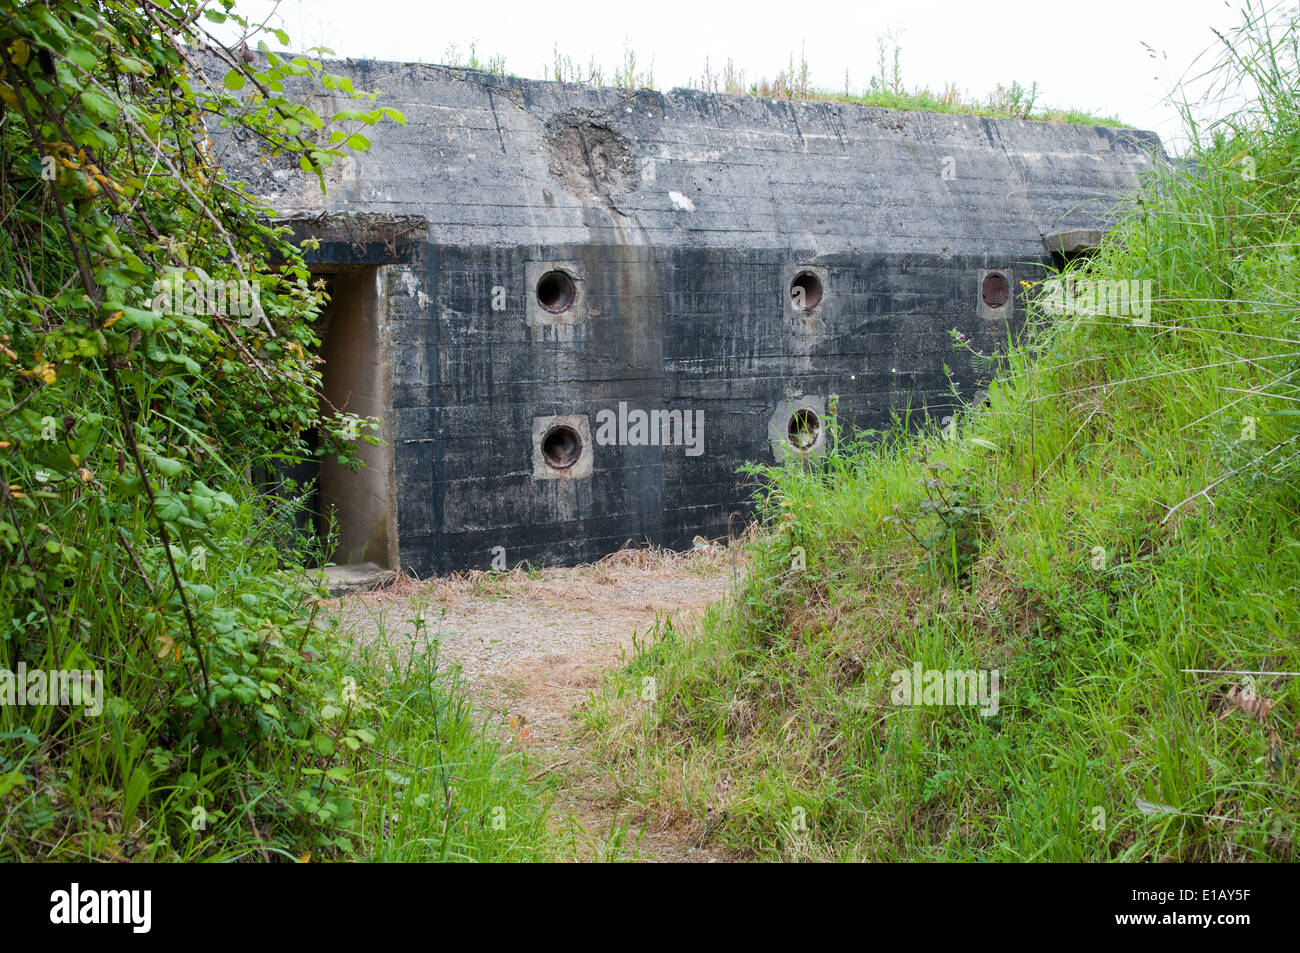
pixel 684 216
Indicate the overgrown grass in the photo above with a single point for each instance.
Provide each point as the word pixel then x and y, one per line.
pixel 885 88
pixel 1013 102
pixel 1122 511
pixel 402 768
pixel 440 785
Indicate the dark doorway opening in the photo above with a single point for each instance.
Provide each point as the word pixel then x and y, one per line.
pixel 359 504
pixel 341 515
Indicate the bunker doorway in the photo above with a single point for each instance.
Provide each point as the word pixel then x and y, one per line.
pixel 359 506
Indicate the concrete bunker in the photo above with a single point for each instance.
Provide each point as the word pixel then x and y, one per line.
pixel 806 290
pixel 356 257
pixel 994 290
pixel 797 429
pixel 803 429
pixel 561 447
pixel 556 291
pixel 531 260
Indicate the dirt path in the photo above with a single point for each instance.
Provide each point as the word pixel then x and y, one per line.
pixel 532 647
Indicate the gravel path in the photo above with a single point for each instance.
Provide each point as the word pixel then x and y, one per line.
pixel 532 646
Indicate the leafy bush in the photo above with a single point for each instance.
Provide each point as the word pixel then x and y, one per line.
pixel 158 345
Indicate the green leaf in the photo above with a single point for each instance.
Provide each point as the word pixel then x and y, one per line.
pixel 53 25
pixel 235 81
pixel 139 317
pixel 170 468
pixel 102 108
pixel 168 506
pixel 10 781
pixel 133 792
pixel 87 59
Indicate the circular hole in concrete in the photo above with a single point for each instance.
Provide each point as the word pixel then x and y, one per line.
pixel 561 447
pixel 555 292
pixel 806 291
pixel 803 429
pixel 994 290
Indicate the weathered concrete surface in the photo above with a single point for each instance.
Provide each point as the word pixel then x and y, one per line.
pixel 670 229
pixel 355 577
pixel 1075 241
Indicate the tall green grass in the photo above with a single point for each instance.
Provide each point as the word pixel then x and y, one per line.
pixel 440 784
pixel 402 768
pixel 1107 522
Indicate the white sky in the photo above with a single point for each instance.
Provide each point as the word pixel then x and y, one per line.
pixel 1085 55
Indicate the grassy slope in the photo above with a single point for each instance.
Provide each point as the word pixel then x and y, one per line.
pixel 777 715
